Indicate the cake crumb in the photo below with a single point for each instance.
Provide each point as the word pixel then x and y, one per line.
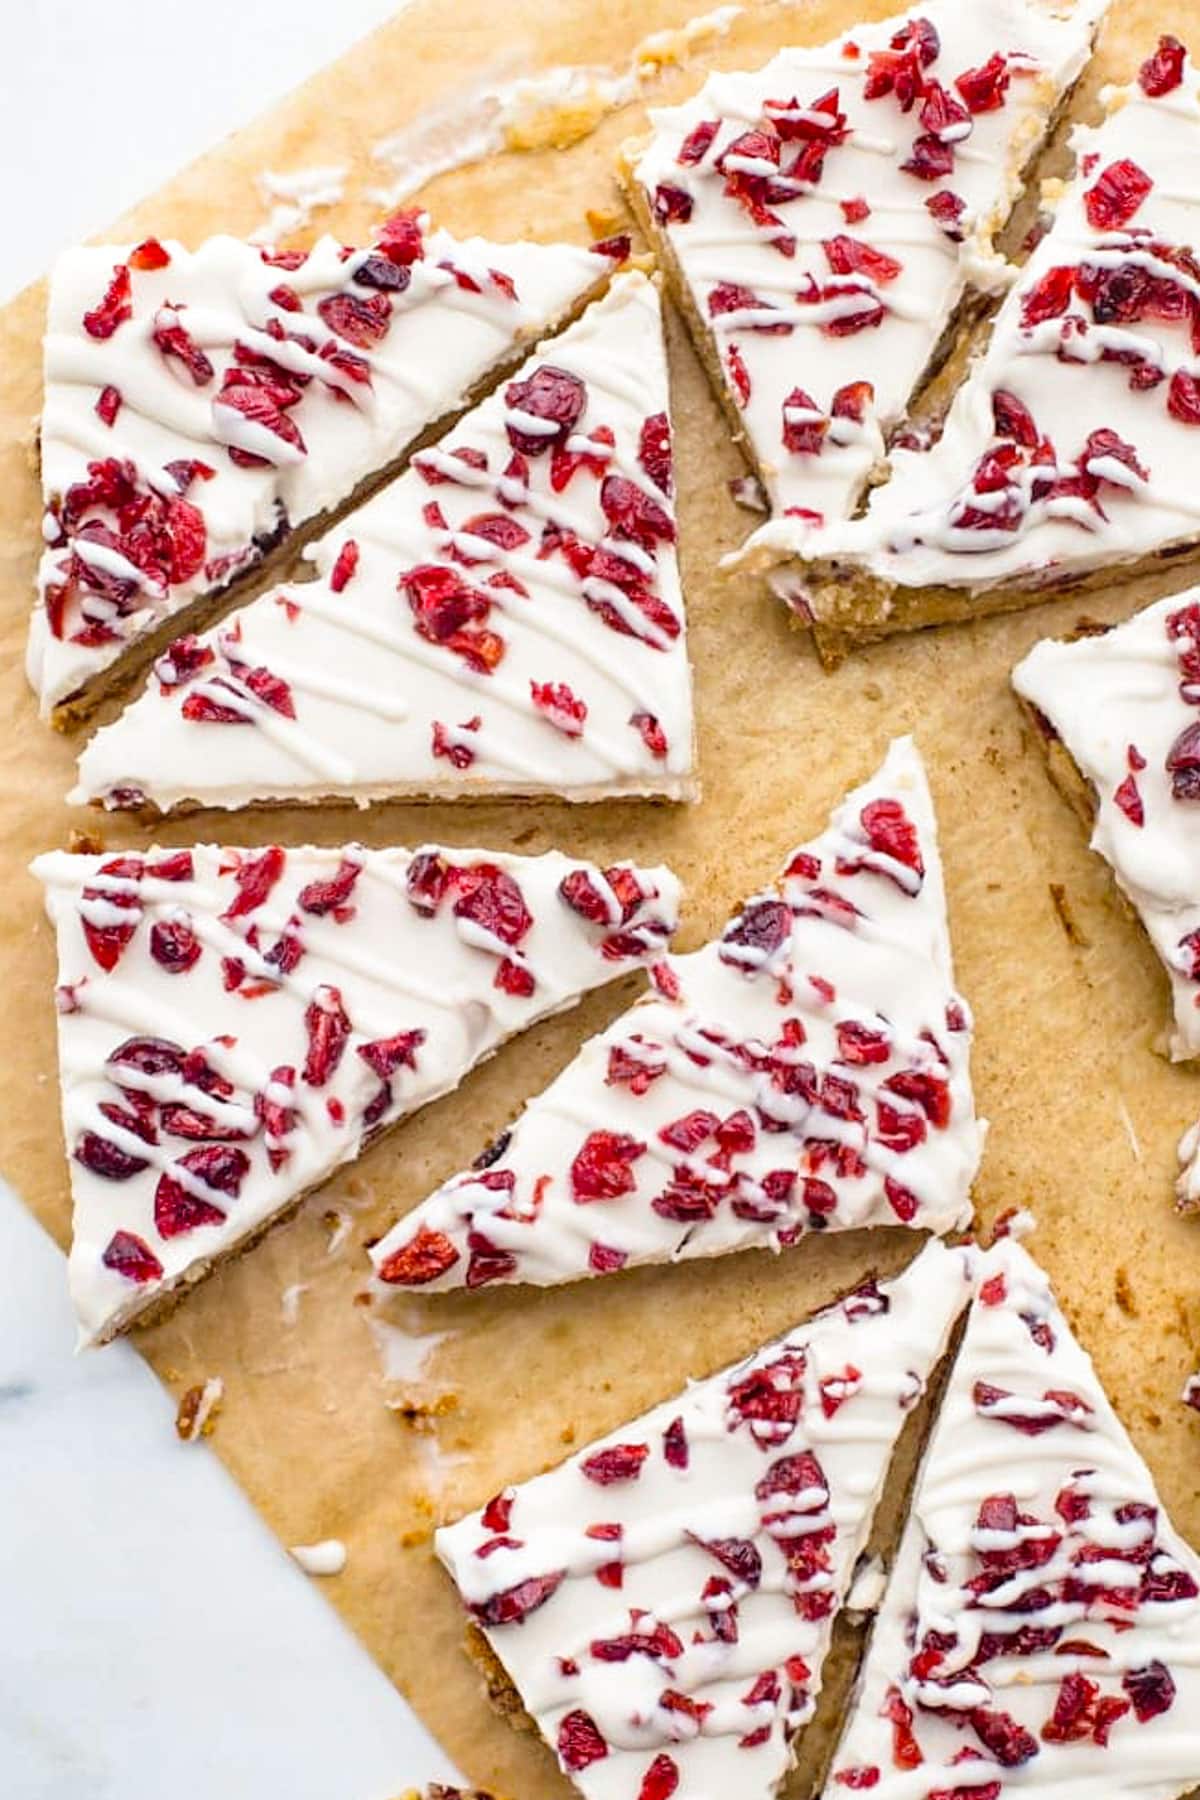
pixel 198 1409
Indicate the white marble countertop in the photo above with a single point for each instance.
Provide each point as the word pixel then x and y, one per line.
pixel 157 1639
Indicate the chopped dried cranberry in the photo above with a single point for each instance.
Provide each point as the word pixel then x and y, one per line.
pixel 113 309
pixel 852 401
pixel 106 1159
pixel 1152 1690
pixel 860 1044
pixel 1162 73
pixel 254 877
pixel 327 1026
pixel 984 89
pixel 739 374
pixel 602 1168
pixel 650 732
pixel 321 897
pixel 1003 1737
pixel 929 159
pixel 361 322
pixel 174 340
pixel 890 832
pixel 148 255
pixel 490 898
pixel 803 436
pixel 1050 298
pixel 1183 764
pixel 1116 196
pixel 618 1462
pixel 654 450
pixel 345 564
pixel 1129 799
pixel 386 1055
pixel 672 205
pixel 1183 398
pixel 259 406
pixel 108 405
pixel 174 945
pixel 676 1453
pixel 738 1555
pixel 760 929
pixel 633 514
pixel 401 238
pixel 580 1743
pixel 514 1605
pixel 698 142
pixel 949 210
pixel 1013 419
pixel 863 1775
pixel 855 210
pixel 425 1257
pixel 660 1780
pixel 550 394
pixel 559 706
pixel 221 1167
pixel 129 1255
pixel 850 256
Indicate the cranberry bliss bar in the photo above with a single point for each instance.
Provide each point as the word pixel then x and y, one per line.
pixel 664 1602
pixel 1065 453
pixel 1041 1630
pixel 808 1070
pixel 504 618
pixel 201 406
pixel 826 220
pixel 234 1024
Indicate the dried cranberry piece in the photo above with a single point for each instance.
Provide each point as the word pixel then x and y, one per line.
pixel 488 1262
pixel 106 1159
pixel 852 401
pixel 949 210
pixel 490 898
pixel 672 205
pixel 1013 419
pixel 803 436
pixel 676 1453
pixel 321 897
pixel 426 881
pixel 1183 398
pixel 363 323
pixel 327 1025
pixel 860 1044
pixel 514 1605
pixel 760 929
pixel 580 1743
pixel 1152 1690
pixel 148 255
pixel 1050 298
pixel 422 1259
pixel 550 394
pixel 258 405
pixel 254 878
pixel 617 1462
pixel 174 340
pixel 651 733
pixel 108 405
pixel 345 564
pixel 401 238
pixel 1003 1737
pixel 929 159
pixel 174 945
pixel 654 451
pixel 661 1779
pixel 113 309
pixel 602 1168
pixel 738 1555
pixel 942 116
pixel 381 273
pixel 698 142
pixel 1162 73
pixel 632 513
pixel 984 89
pixel 129 1255
pixel 177 1210
pixel 1116 196
pixel 386 1055
pixel 850 256
pixel 1183 764
pixel 739 374
pixel 559 706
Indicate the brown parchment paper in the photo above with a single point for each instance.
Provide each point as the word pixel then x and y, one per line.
pixel 1085 1115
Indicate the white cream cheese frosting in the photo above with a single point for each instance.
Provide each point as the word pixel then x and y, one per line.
pixel 1066 450
pixel 808 1070
pixel 1124 703
pixel 506 616
pixel 1041 1629
pixel 664 1601
pixel 234 1024
pixel 829 211
pixel 200 404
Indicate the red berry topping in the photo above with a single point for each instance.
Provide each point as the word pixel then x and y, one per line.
pixel 654 450
pixel 602 1169
pixel 559 706
pixel 254 878
pixel 619 1462
pixel 113 309
pixel 344 566
pixel 514 1605
pixel 363 323
pixel 427 1256
pixel 129 1255
pixel 1163 72
pixel 1151 1689
pixel 174 945
pixel 328 1028
pixel 1116 196
pixel 660 1780
pixel 551 395
pixel 579 1742
pixel 108 405
pixel 984 88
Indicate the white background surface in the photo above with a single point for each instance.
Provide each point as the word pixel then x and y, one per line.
pixel 101 100
pixel 100 103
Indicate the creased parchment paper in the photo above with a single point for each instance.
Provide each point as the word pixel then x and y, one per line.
pixel 1084 1115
